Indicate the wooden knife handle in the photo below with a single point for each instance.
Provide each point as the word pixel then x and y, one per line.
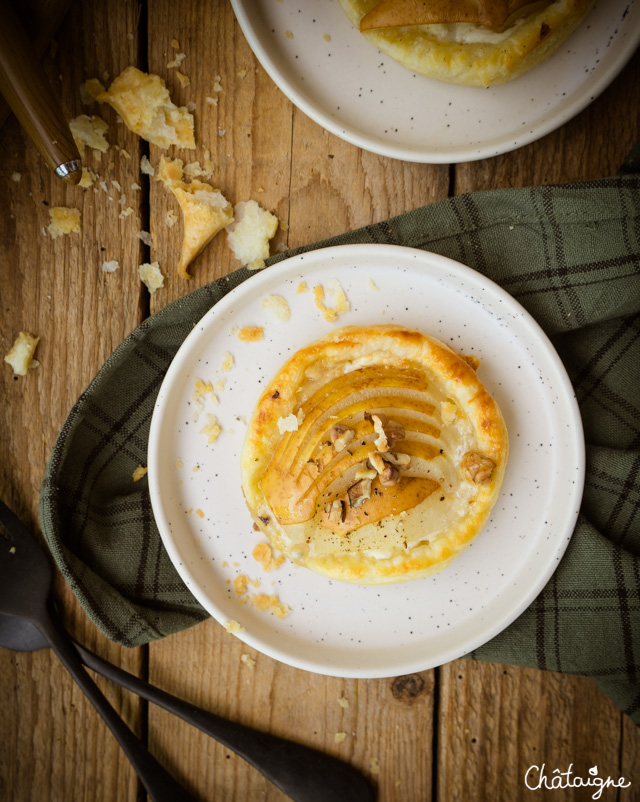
pixel 27 91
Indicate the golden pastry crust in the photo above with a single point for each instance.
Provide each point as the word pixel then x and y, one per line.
pixel 374 456
pixel 472 54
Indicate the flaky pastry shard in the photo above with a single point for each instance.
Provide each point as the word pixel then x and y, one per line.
pixel 205 210
pixel 144 103
pixel 391 459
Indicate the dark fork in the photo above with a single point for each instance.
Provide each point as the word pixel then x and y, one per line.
pixel 304 774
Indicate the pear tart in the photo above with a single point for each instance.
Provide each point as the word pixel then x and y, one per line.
pixel 374 456
pixel 471 42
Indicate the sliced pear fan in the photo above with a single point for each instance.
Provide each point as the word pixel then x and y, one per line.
pixel 396 462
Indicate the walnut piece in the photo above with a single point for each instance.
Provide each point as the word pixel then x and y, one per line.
pixel 336 511
pixel 340 436
pixel 388 431
pixel 359 492
pixel 476 468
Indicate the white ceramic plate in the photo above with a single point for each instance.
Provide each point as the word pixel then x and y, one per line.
pixel 337 628
pixel 344 83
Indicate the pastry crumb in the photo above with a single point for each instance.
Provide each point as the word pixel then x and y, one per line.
pixel 343 702
pixel 338 296
pixel 272 604
pixel 234 627
pixel 339 737
pixel 146 168
pixel 228 361
pixel 89 91
pixel 20 355
pixel 277 307
pixel 212 430
pixel 64 221
pixel 151 276
pixel 88 178
pixel 250 232
pixel 89 131
pixel 139 472
pixel 251 334
pixel 176 61
pixel 263 554
pixel 248 661
pixel 110 266
pixel 289 423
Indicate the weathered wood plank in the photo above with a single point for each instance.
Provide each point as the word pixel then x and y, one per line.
pixel 58 747
pixel 497 722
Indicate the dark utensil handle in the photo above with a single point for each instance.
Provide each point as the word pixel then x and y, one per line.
pixel 160 785
pixel 304 774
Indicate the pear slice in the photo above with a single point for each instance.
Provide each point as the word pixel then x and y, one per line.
pixel 493 14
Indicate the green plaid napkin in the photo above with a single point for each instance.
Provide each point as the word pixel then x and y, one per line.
pixel 571 256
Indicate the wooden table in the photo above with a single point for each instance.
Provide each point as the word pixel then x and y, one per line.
pixel 465 731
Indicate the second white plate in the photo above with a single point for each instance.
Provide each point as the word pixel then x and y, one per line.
pixel 339 79
pixel 337 628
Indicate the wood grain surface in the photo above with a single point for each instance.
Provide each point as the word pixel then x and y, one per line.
pixel 465 731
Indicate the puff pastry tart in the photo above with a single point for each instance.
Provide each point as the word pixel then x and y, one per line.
pixel 470 42
pixel 374 456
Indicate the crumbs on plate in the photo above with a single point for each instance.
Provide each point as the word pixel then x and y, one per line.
pixel 233 627
pixel 338 297
pixel 212 429
pixel 263 553
pixel 251 334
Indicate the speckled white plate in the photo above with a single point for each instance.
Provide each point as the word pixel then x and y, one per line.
pixel 344 83
pixel 337 628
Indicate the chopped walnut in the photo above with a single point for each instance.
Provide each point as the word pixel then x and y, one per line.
pixel 341 436
pixel 387 474
pixel 389 477
pixel 398 460
pixel 388 431
pixel 336 511
pixel 359 492
pixel 476 468
pixel 364 472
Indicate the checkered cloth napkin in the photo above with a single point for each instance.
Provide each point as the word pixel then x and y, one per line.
pixel 571 255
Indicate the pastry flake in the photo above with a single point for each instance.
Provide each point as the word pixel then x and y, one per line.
pixel 144 103
pixel 20 355
pixel 205 210
pixel 250 233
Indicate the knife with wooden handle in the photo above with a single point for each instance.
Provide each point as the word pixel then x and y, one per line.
pixel 29 94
